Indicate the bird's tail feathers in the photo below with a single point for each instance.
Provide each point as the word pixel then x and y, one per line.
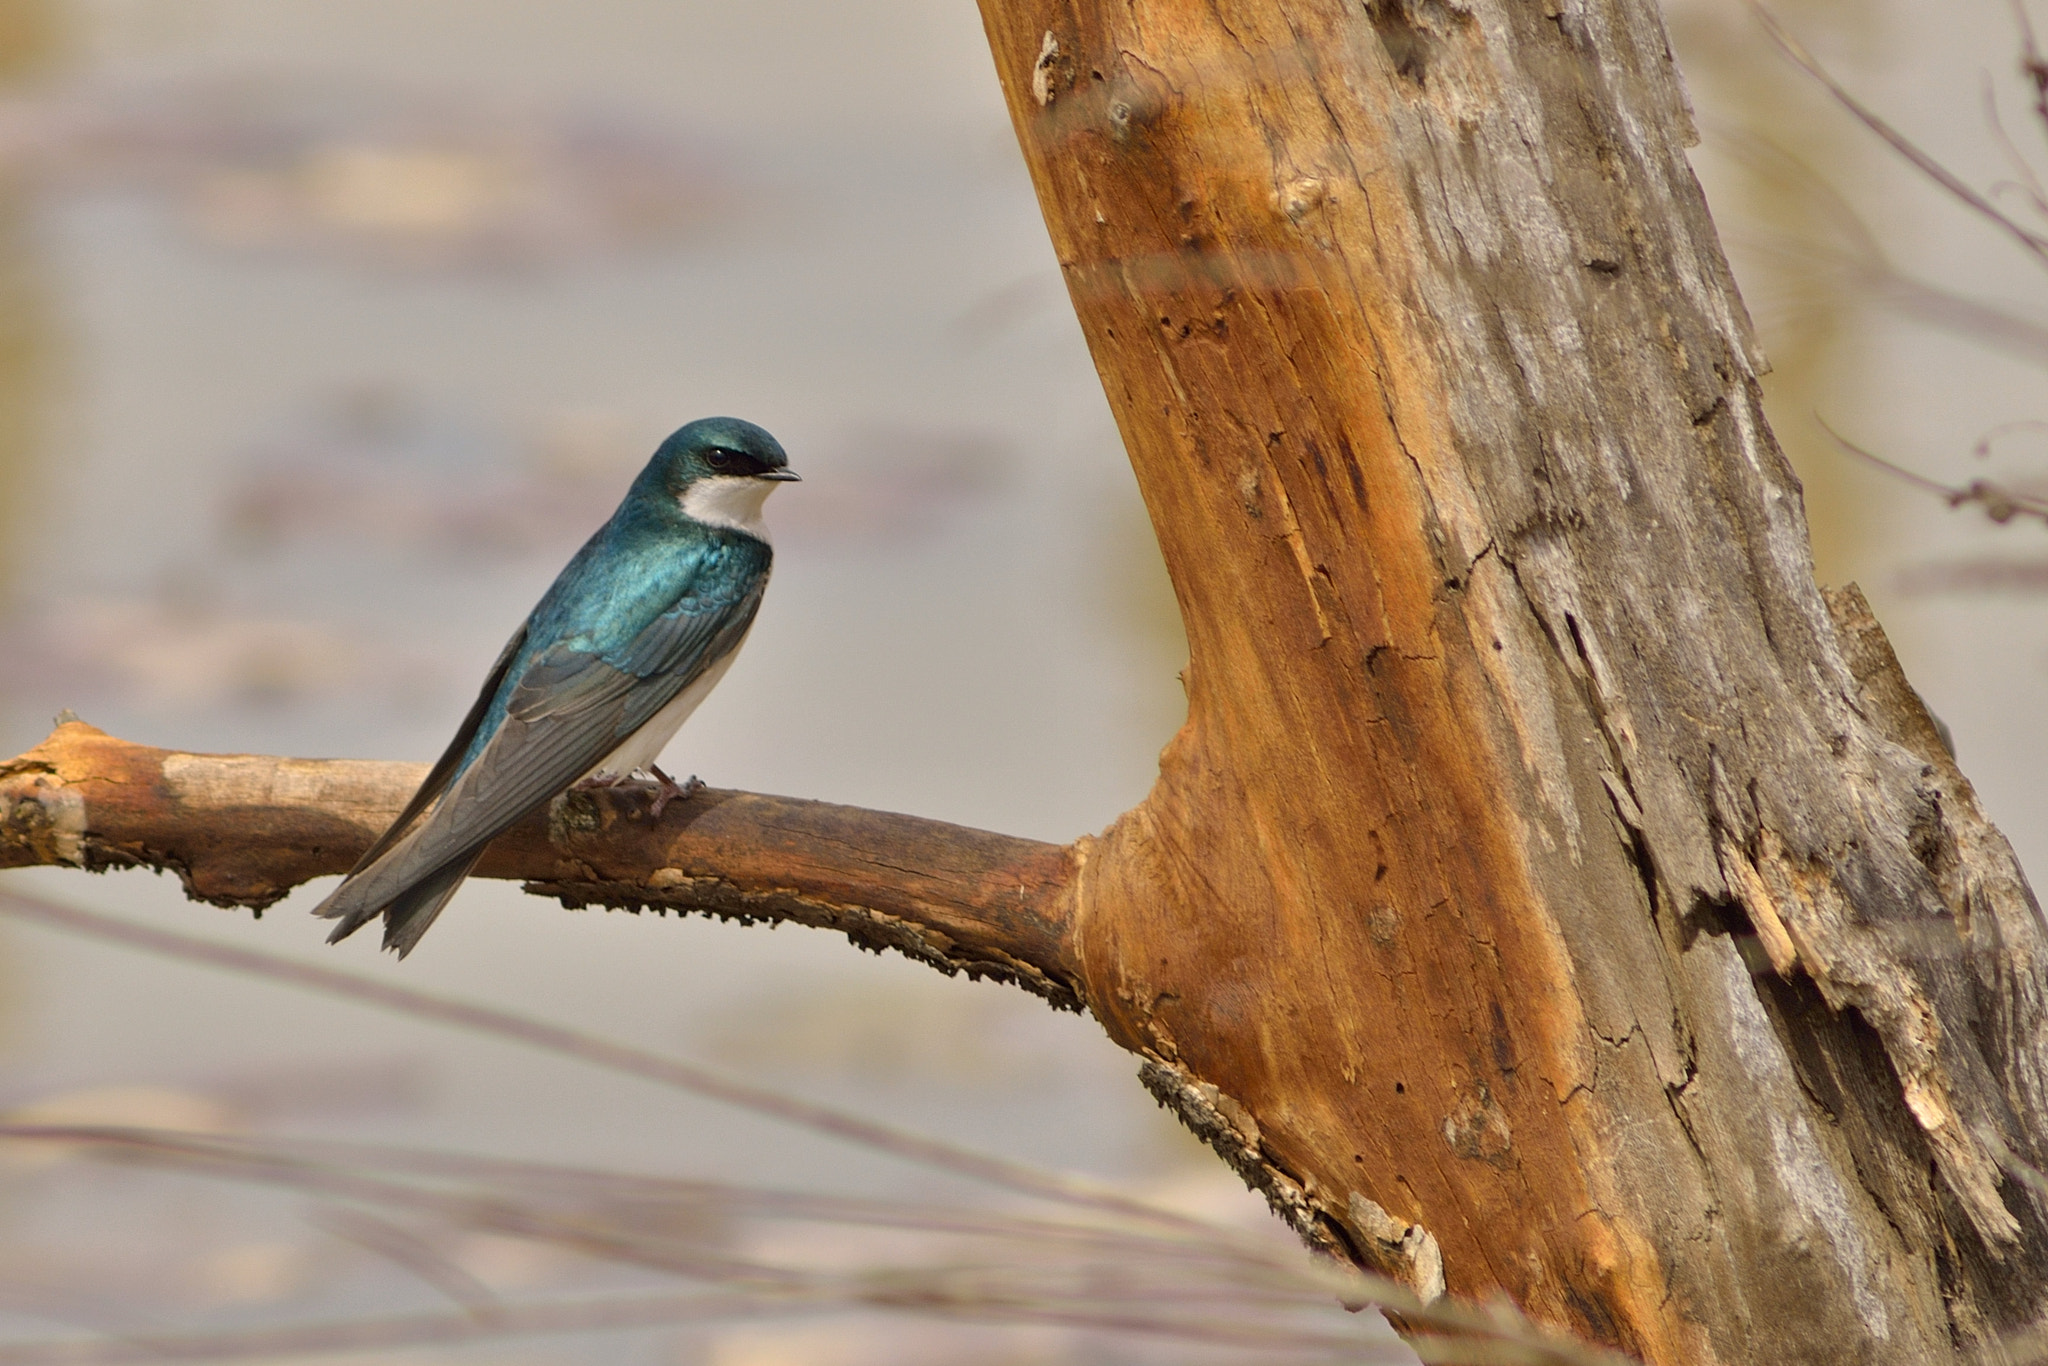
pixel 407 918
pixel 406 915
pixel 352 916
pixel 351 921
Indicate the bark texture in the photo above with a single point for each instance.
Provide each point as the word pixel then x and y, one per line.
pixel 244 829
pixel 1540 866
pixel 1552 891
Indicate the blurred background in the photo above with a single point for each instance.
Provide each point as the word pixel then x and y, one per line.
pixel 328 330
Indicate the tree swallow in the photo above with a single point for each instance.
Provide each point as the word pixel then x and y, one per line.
pixel 642 623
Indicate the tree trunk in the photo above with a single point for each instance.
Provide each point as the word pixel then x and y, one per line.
pixel 1552 891
pixel 1541 865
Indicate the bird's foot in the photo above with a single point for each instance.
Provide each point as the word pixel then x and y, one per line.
pixel 597 782
pixel 667 789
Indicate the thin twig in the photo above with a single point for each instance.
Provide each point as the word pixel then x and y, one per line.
pixel 1091 1293
pixel 389 1331
pixel 403 1247
pixel 1982 450
pixel 1857 265
pixel 306 1165
pixel 2028 183
pixel 2031 65
pixel 2032 241
pixel 2000 504
pixel 599 1052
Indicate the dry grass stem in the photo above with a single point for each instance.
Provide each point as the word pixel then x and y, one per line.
pixel 1095 1259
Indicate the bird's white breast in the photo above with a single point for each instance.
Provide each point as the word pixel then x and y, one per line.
pixel 729 500
pixel 645 745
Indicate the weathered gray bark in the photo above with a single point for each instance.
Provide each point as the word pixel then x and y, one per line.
pixel 1424 296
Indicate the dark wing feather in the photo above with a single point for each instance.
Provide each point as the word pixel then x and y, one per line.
pixel 407 918
pixel 569 710
pixel 444 767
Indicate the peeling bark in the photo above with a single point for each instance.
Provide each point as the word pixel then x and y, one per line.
pixel 1521 740
pixel 1553 891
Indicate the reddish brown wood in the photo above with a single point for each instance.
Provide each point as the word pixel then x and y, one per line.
pixel 243 830
pixel 1520 738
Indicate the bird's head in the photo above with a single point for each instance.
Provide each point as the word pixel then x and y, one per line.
pixel 719 470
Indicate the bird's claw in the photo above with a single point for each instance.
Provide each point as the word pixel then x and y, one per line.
pixel 667 789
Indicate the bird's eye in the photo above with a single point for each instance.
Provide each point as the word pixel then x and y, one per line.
pixel 718 458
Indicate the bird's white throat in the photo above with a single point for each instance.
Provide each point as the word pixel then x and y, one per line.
pixel 729 500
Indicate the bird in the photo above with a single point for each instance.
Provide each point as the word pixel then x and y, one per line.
pixel 633 633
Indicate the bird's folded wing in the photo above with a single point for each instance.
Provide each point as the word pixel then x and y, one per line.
pixel 570 709
pixel 444 768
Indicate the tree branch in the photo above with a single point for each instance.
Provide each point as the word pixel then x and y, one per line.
pixel 243 830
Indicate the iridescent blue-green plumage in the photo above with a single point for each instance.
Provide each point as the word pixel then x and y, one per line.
pixel 656 601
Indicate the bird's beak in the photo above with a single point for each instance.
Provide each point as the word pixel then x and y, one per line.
pixel 790 476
